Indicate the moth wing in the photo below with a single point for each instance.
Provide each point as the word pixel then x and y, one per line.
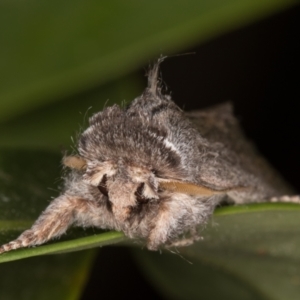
pixel 231 160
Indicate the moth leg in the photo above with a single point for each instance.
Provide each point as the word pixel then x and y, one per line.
pixel 168 224
pixel 54 221
pixel 186 241
pixel 289 199
pixel 160 232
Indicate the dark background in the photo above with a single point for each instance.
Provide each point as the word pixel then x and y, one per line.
pixel 256 68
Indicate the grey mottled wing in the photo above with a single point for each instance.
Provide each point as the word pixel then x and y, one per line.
pixel 232 160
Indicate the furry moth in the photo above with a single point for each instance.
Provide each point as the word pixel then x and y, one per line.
pixel 156 173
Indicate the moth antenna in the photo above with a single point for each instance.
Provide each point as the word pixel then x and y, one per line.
pixel 74 162
pixel 192 189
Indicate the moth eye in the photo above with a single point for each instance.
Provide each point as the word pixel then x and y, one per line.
pixel 102 186
pixel 139 194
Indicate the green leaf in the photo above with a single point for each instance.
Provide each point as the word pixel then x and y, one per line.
pixel 247 252
pixel 54 49
pixel 73 243
pixel 46 278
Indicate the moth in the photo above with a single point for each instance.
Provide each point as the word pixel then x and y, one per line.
pixel 156 173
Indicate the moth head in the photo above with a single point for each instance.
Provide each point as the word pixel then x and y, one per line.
pixel 126 187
